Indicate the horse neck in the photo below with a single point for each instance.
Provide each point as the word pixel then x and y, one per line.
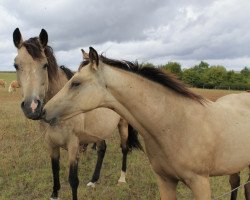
pixel 56 85
pixel 151 108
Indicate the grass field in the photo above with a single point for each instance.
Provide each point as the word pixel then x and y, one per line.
pixel 25 171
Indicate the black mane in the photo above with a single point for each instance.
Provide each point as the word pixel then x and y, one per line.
pixel 156 75
pixel 67 72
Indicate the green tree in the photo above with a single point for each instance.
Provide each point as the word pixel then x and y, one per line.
pixel 215 76
pixel 192 77
pixel 245 72
pixel 202 67
pixel 234 78
pixel 173 67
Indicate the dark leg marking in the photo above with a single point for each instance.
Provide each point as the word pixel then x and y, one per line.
pixel 101 153
pixel 247 191
pixel 94 146
pixel 55 170
pixel 73 179
pixel 234 181
pixel 124 159
pixel 122 178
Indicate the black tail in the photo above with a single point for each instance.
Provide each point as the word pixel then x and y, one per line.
pixel 133 140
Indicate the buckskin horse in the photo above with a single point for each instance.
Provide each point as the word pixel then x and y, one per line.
pixel 40 79
pixel 187 137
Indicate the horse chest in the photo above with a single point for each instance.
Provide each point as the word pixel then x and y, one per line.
pixel 58 136
pixel 158 161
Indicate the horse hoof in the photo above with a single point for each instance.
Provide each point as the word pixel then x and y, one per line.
pixel 90 184
pixel 121 182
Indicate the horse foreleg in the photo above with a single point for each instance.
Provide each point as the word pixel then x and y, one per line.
pixel 73 150
pixel 247 189
pixel 234 181
pixel 200 187
pixel 101 149
pixel 167 188
pixel 55 157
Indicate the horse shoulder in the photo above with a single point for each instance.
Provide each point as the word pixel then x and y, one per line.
pixel 101 122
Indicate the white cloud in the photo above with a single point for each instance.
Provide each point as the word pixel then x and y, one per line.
pixel 154 31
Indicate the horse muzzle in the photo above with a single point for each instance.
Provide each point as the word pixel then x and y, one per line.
pixel 51 122
pixel 32 108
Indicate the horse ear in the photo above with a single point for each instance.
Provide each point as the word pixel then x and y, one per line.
pixel 17 38
pixel 93 57
pixel 85 55
pixel 43 38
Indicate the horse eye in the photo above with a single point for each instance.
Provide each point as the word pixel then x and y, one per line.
pixel 45 66
pixel 75 84
pixel 16 66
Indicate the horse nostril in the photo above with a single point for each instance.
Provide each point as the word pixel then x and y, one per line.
pixel 22 105
pixel 39 103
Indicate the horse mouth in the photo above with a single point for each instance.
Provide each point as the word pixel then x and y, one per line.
pixel 54 121
pixel 33 116
pixel 51 122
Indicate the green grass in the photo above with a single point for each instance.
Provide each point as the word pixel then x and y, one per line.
pixel 25 171
pixel 8 77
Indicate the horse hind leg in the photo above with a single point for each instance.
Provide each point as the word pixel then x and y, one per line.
pixel 101 150
pixel 93 146
pixel 129 141
pixel 234 181
pixel 123 131
pixel 122 178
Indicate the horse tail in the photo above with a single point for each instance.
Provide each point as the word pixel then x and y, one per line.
pixel 133 140
pixel 10 88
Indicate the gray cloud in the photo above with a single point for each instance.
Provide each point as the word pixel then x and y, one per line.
pixel 147 30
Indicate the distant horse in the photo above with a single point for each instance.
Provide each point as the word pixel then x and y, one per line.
pixel 187 137
pixel 13 86
pixel 3 83
pixel 41 79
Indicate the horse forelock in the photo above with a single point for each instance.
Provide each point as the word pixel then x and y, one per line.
pixel 34 48
pixel 83 64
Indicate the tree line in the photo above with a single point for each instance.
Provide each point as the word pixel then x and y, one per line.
pixel 205 76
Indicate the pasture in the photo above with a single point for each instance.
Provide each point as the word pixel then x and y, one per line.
pixel 25 171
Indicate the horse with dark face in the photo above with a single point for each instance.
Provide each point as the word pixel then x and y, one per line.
pixel 40 79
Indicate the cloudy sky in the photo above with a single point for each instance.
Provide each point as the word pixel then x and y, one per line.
pixel 154 31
